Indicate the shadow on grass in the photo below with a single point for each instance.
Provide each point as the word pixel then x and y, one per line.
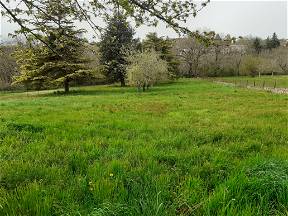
pixel 107 90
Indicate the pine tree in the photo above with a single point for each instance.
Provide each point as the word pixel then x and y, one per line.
pixel 257 45
pixel 59 60
pixel 268 43
pixel 275 42
pixel 116 39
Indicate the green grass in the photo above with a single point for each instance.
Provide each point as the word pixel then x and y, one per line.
pixel 267 81
pixel 188 148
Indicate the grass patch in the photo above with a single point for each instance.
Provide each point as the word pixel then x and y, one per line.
pixel 260 189
pixel 186 148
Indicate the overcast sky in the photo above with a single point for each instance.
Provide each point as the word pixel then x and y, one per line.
pixel 238 18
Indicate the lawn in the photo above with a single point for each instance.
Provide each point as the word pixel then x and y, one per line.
pixel 266 81
pixel 187 148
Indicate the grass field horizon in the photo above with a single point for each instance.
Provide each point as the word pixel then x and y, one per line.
pixel 191 147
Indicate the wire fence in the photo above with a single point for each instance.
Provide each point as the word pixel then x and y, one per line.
pixel 254 83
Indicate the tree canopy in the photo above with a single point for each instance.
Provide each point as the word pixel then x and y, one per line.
pixel 116 39
pixel 164 48
pixel 60 61
pixel 172 12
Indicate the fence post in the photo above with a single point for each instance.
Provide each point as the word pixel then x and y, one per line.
pixel 264 84
pixel 254 83
pixel 275 84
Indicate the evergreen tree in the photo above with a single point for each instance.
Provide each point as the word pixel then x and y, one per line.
pixel 116 39
pixel 257 45
pixel 275 42
pixel 164 48
pixel 59 61
pixel 268 44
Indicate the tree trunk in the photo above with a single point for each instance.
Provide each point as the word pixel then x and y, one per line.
pixel 66 86
pixel 190 72
pixel 122 82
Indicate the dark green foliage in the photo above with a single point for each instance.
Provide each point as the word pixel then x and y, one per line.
pixel 268 44
pixel 272 43
pixel 275 42
pixel 164 48
pixel 257 46
pixel 60 61
pixel 116 41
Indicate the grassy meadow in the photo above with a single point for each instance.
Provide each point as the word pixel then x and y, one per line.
pixel 267 81
pixel 186 148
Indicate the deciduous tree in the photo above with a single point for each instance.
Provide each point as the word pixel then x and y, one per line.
pixel 164 48
pixel 190 51
pixel 146 69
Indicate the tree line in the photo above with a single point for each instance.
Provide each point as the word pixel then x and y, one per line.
pixel 58 55
pixel 232 57
pixel 54 49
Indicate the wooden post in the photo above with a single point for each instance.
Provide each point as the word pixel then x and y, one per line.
pixel 275 84
pixel 254 83
pixel 264 84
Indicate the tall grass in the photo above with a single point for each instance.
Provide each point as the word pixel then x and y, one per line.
pixel 187 148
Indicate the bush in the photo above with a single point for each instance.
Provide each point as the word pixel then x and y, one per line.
pixel 250 66
pixel 146 69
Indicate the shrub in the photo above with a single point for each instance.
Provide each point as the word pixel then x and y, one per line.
pixel 250 66
pixel 146 69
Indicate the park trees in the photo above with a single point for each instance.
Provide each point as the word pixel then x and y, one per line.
pixel 189 50
pixel 164 47
pixel 237 58
pixel 250 66
pixel 275 42
pixel 55 54
pixel 172 12
pixel 257 45
pixel 8 66
pixel 281 55
pixel 116 40
pixel 268 44
pixel 272 43
pixel 59 60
